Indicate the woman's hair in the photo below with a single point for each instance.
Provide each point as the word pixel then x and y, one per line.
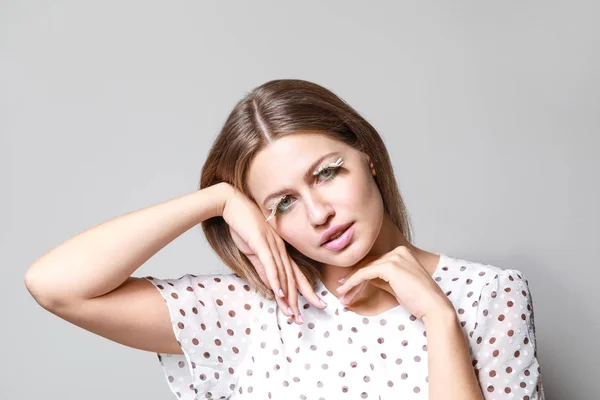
pixel 268 112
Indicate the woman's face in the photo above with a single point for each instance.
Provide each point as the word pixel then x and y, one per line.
pixel 313 204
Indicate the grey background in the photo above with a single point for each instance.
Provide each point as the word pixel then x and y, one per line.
pixel 490 111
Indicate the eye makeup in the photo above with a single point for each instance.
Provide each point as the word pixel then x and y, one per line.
pixel 323 167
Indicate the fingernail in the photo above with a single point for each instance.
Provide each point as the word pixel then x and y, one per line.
pixel 290 310
pixel 281 292
pixel 323 303
pixel 338 289
pixel 342 279
pixel 300 318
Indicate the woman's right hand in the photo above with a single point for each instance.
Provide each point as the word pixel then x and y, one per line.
pixel 266 251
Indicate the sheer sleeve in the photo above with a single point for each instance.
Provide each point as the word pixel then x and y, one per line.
pixel 211 317
pixel 503 341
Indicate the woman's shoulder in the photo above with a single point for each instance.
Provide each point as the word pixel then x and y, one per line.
pixel 222 294
pixel 466 282
pixel 214 281
pixel 475 273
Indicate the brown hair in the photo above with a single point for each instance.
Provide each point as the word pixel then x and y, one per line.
pixel 266 113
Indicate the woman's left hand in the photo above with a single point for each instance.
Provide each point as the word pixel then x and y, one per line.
pixel 400 274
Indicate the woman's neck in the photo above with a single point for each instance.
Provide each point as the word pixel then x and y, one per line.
pixel 389 238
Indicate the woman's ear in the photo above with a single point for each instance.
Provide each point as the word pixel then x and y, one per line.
pixel 370 163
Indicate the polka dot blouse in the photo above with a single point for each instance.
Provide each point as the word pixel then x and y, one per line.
pixel 239 345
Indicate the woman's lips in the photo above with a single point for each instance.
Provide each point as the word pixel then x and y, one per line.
pixel 342 241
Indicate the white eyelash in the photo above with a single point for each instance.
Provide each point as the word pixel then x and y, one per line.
pixel 336 163
pixel 274 205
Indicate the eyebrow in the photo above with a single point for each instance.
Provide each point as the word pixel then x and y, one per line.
pixel 307 176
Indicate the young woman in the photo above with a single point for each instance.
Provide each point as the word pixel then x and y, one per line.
pixel 298 195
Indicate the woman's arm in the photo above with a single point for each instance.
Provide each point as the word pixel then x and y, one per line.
pixel 100 259
pixel 451 375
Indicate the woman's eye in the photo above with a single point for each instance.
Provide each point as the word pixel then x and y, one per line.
pixel 327 174
pixel 331 172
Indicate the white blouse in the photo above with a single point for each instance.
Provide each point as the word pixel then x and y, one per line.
pixel 238 344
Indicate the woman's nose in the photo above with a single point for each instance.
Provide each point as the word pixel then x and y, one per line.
pixel 318 210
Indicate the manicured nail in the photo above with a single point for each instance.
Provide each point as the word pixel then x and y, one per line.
pixel 300 318
pixel 338 289
pixel 290 310
pixel 323 303
pixel 281 292
pixel 342 279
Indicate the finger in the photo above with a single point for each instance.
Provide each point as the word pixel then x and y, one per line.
pixel 281 274
pixel 278 262
pixel 261 272
pixel 266 258
pixel 286 275
pixel 259 268
pixel 306 288
pixel 351 294
pixel 292 297
pixel 359 276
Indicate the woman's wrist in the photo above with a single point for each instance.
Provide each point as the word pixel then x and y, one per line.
pixel 219 193
pixel 443 315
